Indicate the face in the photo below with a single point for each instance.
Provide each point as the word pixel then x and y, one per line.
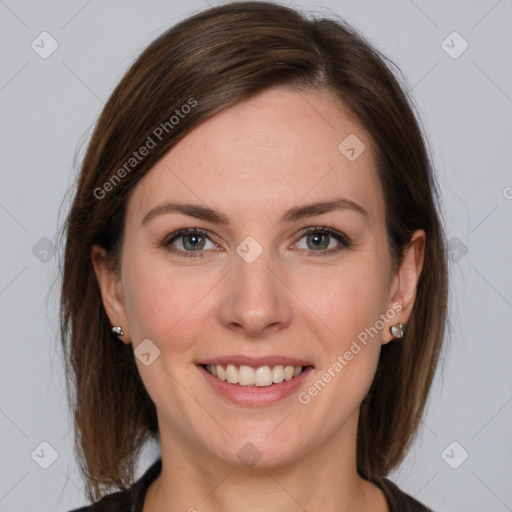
pixel 254 284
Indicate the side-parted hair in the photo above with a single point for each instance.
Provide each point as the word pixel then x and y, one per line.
pixel 209 62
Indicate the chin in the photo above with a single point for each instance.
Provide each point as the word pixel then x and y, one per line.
pixel 257 453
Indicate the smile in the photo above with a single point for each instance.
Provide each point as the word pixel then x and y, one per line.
pixel 248 376
pixel 263 391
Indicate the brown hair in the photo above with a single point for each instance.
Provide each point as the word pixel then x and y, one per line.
pixel 214 60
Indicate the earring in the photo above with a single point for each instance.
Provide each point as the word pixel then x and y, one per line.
pixel 397 330
pixel 117 331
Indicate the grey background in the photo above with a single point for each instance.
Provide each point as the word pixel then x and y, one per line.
pixel 47 106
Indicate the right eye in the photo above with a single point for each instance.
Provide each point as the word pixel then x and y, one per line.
pixel 191 240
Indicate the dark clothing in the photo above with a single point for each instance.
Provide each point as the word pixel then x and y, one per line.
pixel 132 500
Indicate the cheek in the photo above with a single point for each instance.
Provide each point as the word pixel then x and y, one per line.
pixel 164 305
pixel 350 304
pixel 347 300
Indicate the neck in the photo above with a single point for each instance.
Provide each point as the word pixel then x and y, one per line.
pixel 326 479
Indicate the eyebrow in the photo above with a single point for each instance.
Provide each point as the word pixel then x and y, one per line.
pixel 291 215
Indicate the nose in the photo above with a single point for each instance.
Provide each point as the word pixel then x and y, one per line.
pixel 257 300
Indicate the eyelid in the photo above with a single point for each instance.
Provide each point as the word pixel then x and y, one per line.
pixel 171 237
pixel 344 240
pixel 326 229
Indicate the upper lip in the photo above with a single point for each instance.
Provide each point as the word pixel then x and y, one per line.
pixel 255 362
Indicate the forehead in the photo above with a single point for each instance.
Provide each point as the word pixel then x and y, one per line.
pixel 276 150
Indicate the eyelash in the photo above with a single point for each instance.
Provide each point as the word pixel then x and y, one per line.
pixel 344 240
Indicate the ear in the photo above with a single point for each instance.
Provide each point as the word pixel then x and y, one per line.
pixel 109 283
pixel 405 282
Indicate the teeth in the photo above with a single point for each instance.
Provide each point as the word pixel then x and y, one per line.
pixel 278 374
pixel 231 374
pixel 245 376
pixel 261 376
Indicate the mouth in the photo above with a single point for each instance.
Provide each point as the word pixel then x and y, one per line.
pixel 249 376
pixel 255 380
pixel 256 385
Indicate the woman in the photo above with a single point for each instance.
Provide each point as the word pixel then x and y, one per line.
pixel 254 273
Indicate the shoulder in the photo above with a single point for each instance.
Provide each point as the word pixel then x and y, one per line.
pixel 120 501
pixel 129 500
pixel 399 501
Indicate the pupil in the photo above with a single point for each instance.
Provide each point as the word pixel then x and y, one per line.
pixel 194 239
pixel 319 238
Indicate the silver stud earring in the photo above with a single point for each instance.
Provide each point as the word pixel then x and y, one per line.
pixel 117 331
pixel 397 330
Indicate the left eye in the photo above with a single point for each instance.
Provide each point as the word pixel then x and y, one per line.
pixel 319 240
pixel 193 241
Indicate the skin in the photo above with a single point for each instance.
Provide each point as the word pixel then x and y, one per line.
pixel 252 162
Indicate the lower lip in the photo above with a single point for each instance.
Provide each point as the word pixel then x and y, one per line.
pixel 256 395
